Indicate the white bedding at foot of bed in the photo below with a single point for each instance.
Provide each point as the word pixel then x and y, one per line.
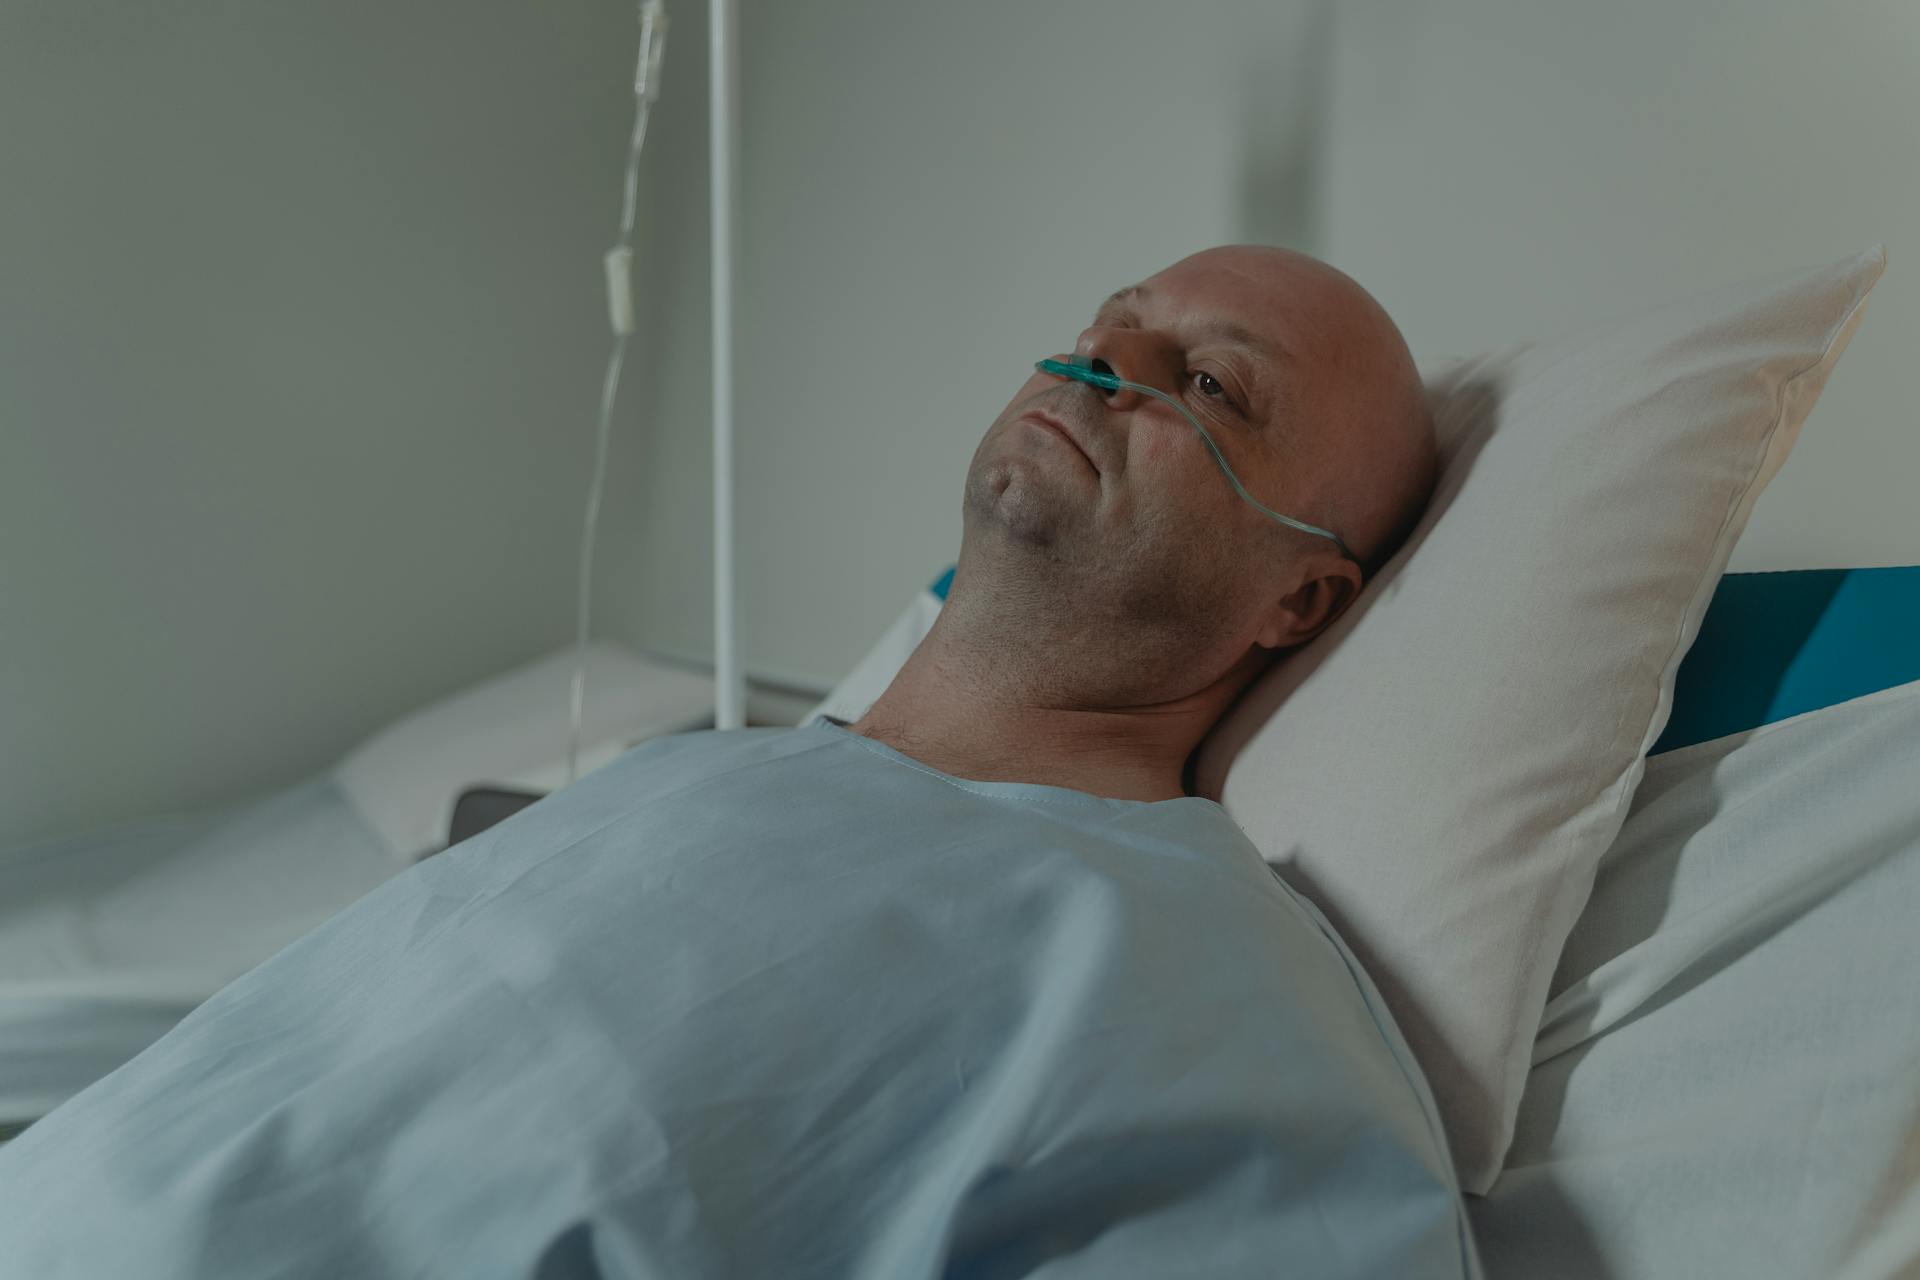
pixel 108 939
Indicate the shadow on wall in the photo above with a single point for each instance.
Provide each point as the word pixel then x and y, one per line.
pixel 1284 136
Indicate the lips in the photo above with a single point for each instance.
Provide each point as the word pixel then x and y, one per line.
pixel 1048 420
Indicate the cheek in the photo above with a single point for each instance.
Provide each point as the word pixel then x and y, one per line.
pixel 1177 470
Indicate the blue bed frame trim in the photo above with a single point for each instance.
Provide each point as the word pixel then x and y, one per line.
pixel 1773 645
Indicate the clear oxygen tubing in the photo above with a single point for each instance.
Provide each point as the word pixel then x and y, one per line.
pixel 1080 368
pixel 619 266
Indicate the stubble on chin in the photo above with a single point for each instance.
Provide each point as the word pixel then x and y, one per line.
pixel 1004 495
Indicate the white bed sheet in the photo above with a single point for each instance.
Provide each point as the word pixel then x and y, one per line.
pixel 108 939
pixel 1727 1076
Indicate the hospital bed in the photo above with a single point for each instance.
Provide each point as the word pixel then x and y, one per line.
pixel 1726 1079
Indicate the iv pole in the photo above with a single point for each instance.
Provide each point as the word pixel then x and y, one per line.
pixel 723 148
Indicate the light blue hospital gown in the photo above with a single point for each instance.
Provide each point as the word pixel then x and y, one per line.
pixel 774 1003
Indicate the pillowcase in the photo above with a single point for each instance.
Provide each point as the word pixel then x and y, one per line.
pixel 1441 770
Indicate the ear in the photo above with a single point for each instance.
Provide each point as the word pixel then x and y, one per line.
pixel 1312 607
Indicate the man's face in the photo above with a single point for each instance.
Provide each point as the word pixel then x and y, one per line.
pixel 1119 488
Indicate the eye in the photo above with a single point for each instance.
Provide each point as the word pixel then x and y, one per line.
pixel 1211 386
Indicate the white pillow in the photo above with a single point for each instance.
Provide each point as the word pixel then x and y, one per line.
pixel 511 731
pixel 1441 770
pixel 1457 751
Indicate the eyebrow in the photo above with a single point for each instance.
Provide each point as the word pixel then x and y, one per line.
pixel 1284 403
pixel 1213 327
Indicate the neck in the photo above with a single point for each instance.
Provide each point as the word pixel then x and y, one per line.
pixel 969 711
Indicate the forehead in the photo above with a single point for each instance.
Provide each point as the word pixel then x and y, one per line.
pixel 1215 300
pixel 1202 321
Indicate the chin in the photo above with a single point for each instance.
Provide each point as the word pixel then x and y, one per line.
pixel 1004 496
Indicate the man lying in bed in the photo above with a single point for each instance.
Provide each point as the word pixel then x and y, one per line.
pixel 972 987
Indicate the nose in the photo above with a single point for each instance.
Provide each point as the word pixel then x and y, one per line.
pixel 1121 397
pixel 1122 353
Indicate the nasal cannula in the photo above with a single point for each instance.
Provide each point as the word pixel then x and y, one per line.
pixel 1080 368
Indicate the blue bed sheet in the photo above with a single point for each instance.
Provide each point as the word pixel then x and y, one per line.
pixel 775 1003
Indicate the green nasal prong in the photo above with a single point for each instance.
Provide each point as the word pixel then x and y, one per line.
pixel 1080 369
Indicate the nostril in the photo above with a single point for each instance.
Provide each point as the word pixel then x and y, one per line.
pixel 1101 366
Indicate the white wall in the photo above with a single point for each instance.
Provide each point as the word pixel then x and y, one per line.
pixel 1500 169
pixel 301 338
pixel 301 334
